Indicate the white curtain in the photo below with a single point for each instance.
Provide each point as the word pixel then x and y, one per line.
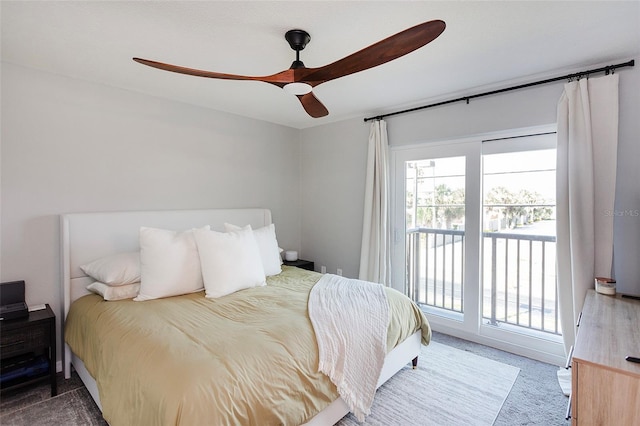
pixel 375 257
pixel 586 180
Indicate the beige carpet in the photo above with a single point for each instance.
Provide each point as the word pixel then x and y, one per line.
pixel 449 387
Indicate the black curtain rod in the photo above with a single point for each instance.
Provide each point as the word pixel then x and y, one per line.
pixel 607 69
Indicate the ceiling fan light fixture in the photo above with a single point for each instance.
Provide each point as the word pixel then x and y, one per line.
pixel 297 88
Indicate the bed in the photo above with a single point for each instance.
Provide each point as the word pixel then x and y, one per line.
pixel 166 380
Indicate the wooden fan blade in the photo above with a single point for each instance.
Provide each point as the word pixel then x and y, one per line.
pixel 379 53
pixel 312 105
pixel 280 78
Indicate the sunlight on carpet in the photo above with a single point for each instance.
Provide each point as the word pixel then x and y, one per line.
pixel 449 387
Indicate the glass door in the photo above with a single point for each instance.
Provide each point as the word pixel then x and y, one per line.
pixel 435 223
pixel 433 247
pixel 474 239
pixel 519 284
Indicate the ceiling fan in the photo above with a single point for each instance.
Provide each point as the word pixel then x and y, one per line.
pixel 299 80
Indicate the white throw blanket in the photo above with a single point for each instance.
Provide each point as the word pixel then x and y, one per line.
pixel 350 318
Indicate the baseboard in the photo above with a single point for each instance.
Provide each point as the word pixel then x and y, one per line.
pixel 503 345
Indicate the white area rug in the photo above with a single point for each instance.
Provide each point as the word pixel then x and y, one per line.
pixel 449 387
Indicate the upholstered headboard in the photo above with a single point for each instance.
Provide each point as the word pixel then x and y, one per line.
pixel 89 236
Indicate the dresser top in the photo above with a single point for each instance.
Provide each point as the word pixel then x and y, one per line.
pixel 609 331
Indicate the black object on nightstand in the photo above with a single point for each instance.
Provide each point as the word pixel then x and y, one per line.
pixel 300 263
pixel 28 350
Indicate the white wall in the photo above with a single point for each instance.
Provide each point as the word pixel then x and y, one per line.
pixel 333 167
pixel 626 228
pixel 333 159
pixel 73 146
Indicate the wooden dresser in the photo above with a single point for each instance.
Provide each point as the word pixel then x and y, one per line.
pixel 606 387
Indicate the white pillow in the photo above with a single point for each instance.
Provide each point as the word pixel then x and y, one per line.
pixel 126 291
pixel 114 270
pixel 169 264
pixel 230 261
pixel 268 246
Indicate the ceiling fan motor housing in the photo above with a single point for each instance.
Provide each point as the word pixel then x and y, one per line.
pixel 297 39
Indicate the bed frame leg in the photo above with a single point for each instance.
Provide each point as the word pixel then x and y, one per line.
pixel 414 363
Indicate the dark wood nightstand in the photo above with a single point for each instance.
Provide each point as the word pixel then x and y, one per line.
pixel 28 350
pixel 300 263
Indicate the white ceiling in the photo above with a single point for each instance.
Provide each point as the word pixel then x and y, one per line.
pixel 486 44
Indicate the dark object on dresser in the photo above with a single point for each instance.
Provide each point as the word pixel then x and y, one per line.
pixel 12 304
pixel 28 350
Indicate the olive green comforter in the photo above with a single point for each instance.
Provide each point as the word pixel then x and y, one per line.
pixel 249 358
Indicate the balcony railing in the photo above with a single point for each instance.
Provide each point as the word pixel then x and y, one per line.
pixel 435 260
pixel 518 276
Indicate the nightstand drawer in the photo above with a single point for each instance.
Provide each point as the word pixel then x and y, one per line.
pixel 26 339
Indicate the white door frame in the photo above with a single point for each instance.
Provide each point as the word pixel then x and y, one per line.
pixel 470 149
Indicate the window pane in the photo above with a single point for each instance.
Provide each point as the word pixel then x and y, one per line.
pixel 435 193
pixel 519 284
pixel 435 218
